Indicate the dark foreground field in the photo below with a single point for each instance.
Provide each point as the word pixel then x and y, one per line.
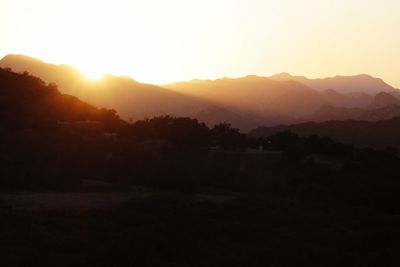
pixel 175 229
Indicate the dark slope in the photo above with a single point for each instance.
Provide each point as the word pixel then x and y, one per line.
pixel 380 134
pixel 26 101
pixel 382 100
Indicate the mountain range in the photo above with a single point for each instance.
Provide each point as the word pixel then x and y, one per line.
pixel 342 84
pixel 245 102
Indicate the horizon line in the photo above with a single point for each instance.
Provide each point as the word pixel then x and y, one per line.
pixel 193 79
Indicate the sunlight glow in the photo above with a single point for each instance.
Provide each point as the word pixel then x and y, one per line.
pixel 91 73
pixel 158 41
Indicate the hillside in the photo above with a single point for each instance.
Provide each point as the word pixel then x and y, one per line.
pixel 27 101
pixel 379 134
pixel 350 100
pixel 382 106
pixel 382 100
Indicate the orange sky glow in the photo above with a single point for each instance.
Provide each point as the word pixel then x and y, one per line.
pixel 158 41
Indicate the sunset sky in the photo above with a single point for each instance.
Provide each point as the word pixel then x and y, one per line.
pixel 159 41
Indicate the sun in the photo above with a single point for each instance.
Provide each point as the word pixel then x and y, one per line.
pixel 90 68
pixel 92 74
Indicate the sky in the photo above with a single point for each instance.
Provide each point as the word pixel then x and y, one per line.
pixel 161 41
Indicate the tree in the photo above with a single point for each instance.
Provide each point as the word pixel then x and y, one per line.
pixel 227 137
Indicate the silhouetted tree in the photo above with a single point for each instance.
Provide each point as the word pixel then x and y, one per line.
pixel 227 137
pixel 182 132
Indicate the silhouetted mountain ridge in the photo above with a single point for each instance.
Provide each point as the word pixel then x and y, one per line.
pixel 259 95
pixel 133 100
pixel 383 106
pixel 244 102
pixel 379 134
pixel 350 100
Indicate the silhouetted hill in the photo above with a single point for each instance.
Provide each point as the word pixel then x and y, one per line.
pixel 334 113
pixel 380 134
pixel 343 84
pixel 65 76
pixel 382 107
pixel 327 113
pixel 350 100
pixel 383 113
pixel 382 100
pixel 27 101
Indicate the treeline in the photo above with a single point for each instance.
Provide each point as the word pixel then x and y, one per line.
pixel 376 134
pixel 186 133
